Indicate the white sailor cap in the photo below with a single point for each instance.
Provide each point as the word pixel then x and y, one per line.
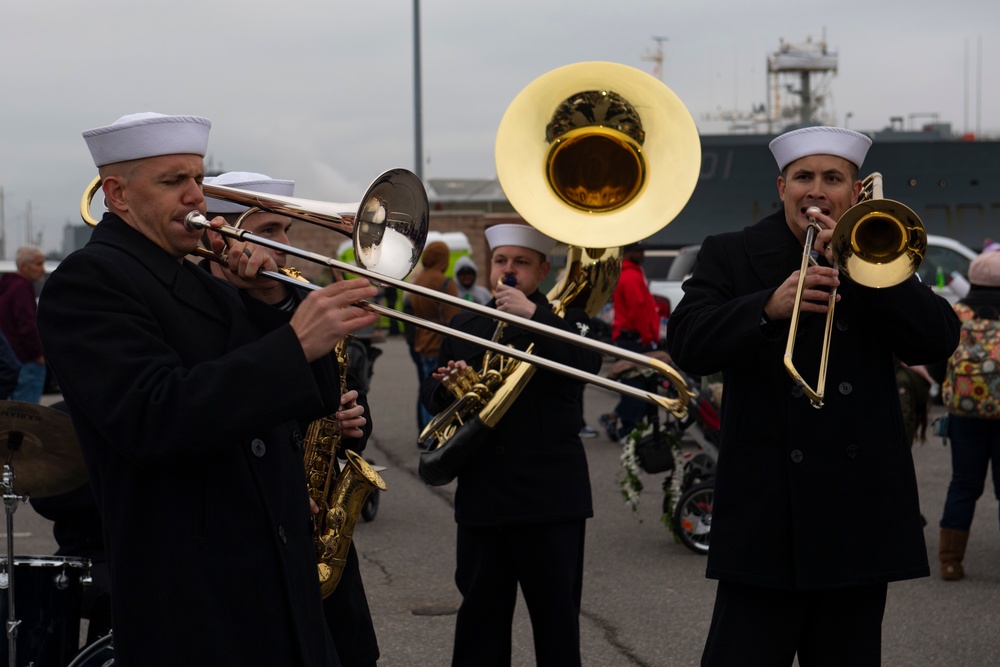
pixel 524 236
pixel 245 180
pixel 147 134
pixel 848 144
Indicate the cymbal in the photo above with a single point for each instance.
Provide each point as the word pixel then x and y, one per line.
pixel 40 446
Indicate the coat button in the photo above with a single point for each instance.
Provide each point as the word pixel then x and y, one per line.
pixel 297 439
pixel 845 388
pixel 499 450
pixel 852 451
pixel 797 391
pixel 281 535
pixel 258 447
pixel 841 324
pixel 796 456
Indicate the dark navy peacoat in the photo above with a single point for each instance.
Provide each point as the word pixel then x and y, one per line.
pixel 185 401
pixel 808 498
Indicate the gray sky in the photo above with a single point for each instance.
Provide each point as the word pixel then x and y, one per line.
pixel 322 92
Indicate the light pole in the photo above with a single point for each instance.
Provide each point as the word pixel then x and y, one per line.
pixel 418 130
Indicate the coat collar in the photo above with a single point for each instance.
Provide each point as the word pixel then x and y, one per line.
pixel 183 279
pixel 772 248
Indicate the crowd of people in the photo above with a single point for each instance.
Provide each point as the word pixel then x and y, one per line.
pixel 146 344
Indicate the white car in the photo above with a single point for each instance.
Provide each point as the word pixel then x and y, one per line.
pixel 949 259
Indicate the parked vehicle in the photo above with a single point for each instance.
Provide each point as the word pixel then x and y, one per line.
pixel 668 287
pixel 946 256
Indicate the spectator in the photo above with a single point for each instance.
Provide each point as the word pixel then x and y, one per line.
pixel 971 397
pixel 468 288
pixel 17 322
pixel 427 343
pixel 636 328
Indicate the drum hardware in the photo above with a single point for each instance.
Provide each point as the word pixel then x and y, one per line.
pixel 41 458
pixel 100 653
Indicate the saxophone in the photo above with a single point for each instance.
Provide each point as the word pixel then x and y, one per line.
pixel 340 494
pixel 483 397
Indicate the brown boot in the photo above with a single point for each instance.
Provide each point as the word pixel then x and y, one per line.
pixel 951 552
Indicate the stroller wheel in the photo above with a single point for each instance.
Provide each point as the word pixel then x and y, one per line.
pixel 370 508
pixel 693 516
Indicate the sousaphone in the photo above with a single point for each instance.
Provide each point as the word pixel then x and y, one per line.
pixel 597 154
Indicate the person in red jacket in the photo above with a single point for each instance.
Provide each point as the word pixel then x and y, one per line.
pixel 636 327
pixel 17 322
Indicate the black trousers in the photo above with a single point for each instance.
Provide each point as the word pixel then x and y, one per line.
pixel 547 561
pixel 767 627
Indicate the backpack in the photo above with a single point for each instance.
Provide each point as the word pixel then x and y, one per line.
pixel 972 382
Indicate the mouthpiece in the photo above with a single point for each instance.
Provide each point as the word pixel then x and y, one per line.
pixel 509 279
pixel 813 211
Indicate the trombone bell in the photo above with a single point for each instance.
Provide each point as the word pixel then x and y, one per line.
pixel 879 243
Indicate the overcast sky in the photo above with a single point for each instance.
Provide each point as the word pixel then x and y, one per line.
pixel 321 91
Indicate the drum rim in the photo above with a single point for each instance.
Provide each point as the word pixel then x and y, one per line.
pixel 48 561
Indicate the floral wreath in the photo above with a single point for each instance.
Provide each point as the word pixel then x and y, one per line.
pixel 631 485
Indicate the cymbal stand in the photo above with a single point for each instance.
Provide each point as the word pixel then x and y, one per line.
pixel 7 577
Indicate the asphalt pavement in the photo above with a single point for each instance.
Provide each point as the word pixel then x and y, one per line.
pixel 646 602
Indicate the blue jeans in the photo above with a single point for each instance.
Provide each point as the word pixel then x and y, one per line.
pixel 975 446
pixel 427 365
pixel 30 383
pixel 630 410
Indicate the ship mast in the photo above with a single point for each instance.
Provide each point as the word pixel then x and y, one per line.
pixel 795 64
pixel 656 57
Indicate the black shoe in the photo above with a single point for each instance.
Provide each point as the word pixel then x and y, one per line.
pixel 610 425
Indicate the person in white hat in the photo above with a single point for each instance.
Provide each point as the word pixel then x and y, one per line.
pixel 815 510
pixel 203 497
pixel 266 224
pixel 516 526
pixel 346 609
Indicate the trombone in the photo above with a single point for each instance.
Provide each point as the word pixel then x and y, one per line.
pixel 877 243
pixel 383 231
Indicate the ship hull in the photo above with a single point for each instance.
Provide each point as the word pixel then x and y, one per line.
pixel 954 186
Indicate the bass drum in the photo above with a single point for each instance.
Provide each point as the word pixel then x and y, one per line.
pixel 47 601
pixel 99 654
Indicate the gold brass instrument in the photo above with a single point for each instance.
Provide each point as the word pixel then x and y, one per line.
pixel 597 154
pixel 618 159
pixel 339 494
pixel 483 397
pixel 388 227
pixel 878 242
pixel 392 219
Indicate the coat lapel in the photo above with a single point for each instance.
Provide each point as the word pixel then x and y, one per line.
pixel 176 277
pixel 773 250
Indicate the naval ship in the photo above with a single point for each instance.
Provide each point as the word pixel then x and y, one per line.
pixel 952 182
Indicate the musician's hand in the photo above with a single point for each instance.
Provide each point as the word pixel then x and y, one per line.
pixel 814 297
pixel 245 262
pixel 514 301
pixel 821 243
pixel 351 416
pixel 325 316
pixel 453 367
